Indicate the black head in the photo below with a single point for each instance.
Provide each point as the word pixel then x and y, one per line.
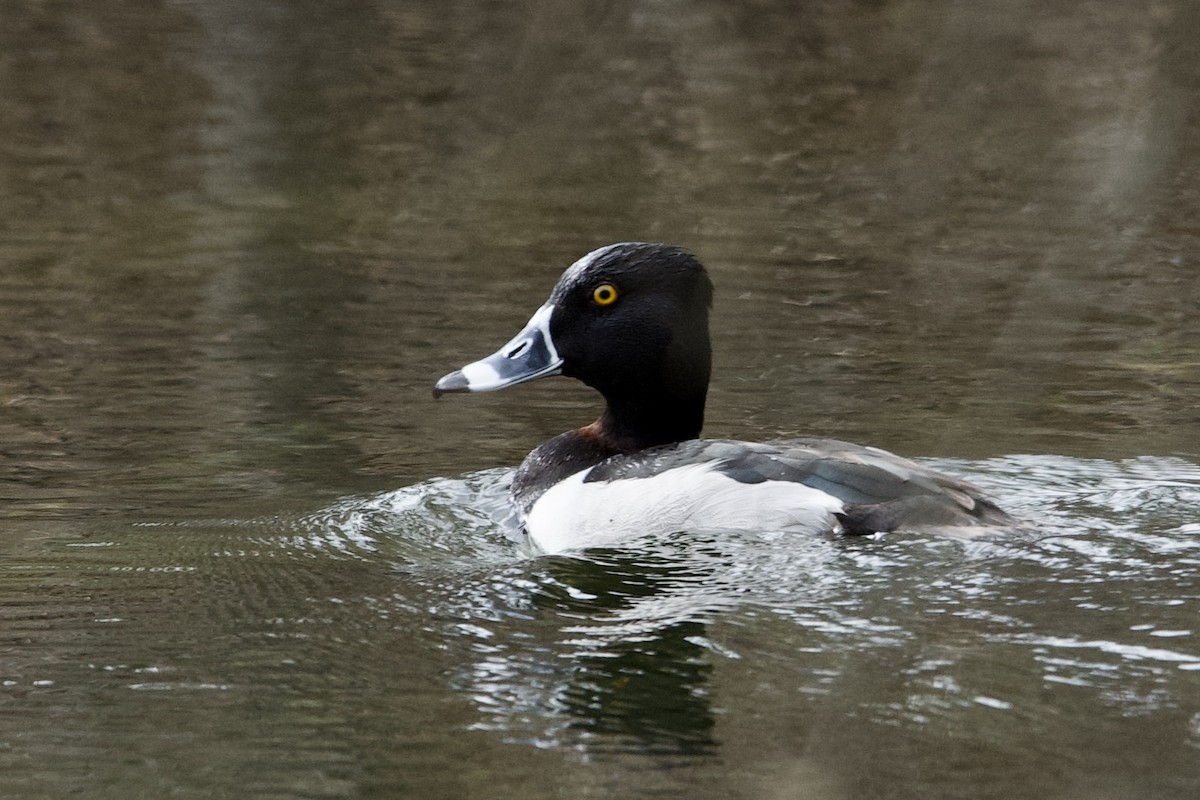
pixel 630 320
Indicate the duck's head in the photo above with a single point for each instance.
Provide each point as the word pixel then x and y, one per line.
pixel 630 320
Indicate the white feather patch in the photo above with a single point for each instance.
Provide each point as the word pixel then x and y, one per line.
pixel 573 515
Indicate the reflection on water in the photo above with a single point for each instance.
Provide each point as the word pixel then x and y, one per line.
pixel 634 648
pixel 673 647
pixel 347 640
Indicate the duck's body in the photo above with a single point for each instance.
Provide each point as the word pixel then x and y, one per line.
pixel 631 320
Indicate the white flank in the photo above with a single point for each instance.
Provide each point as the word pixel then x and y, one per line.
pixel 573 515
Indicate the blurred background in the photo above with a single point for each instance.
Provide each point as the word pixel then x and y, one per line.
pixel 239 241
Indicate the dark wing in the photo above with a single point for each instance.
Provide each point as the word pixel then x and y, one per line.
pixel 881 491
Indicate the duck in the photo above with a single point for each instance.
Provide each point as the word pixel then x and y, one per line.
pixel 631 320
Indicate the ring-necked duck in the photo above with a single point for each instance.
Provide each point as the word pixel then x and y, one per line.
pixel 631 320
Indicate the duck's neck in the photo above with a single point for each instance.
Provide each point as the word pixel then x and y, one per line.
pixel 620 429
pixel 665 419
pixel 659 400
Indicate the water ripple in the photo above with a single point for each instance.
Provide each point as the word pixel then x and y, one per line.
pixel 1115 573
pixel 617 648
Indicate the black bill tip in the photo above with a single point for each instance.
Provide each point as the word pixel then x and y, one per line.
pixel 454 382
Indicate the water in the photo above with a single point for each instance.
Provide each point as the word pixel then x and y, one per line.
pixel 400 644
pixel 244 553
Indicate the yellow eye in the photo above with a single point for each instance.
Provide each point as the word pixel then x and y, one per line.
pixel 605 294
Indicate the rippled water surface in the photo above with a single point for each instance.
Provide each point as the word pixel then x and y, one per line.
pixel 243 553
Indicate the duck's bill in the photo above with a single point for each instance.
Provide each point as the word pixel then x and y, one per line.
pixel 528 356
